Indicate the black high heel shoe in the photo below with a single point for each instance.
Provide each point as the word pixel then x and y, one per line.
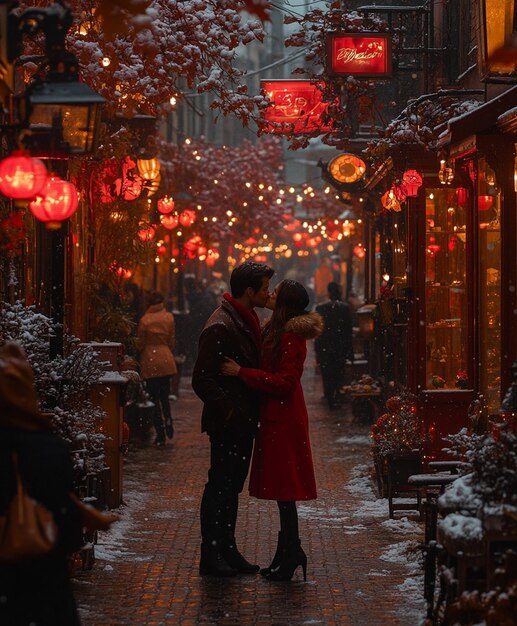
pixel 294 556
pixel 277 559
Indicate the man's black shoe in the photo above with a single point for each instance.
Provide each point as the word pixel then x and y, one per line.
pixel 213 564
pixel 169 429
pixel 235 560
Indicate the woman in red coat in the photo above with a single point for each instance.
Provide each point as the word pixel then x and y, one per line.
pixel 282 467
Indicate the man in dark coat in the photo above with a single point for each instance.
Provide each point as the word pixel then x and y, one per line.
pixel 230 414
pixel 334 346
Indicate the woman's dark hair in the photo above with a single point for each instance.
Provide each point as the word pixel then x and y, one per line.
pixel 249 274
pixel 155 297
pixel 291 300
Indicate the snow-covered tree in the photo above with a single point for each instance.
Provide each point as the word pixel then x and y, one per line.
pixel 62 384
pixel 139 54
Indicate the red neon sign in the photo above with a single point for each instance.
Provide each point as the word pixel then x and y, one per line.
pixel 359 54
pixel 296 102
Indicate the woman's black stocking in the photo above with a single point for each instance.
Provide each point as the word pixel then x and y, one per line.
pixel 289 520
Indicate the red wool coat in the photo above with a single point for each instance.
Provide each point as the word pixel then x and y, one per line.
pixel 282 466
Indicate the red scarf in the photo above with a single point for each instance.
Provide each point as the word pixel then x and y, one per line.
pixel 248 315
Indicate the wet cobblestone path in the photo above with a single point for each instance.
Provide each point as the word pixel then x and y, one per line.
pixel 362 567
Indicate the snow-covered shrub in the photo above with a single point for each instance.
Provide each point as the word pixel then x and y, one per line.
pixel 492 463
pixel 62 383
pixel 397 430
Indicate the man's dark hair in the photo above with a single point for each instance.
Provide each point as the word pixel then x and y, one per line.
pixel 155 297
pixel 249 274
pixel 334 291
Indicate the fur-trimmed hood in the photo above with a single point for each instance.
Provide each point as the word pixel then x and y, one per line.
pixel 308 325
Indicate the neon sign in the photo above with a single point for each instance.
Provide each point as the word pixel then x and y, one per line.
pixel 298 103
pixel 365 55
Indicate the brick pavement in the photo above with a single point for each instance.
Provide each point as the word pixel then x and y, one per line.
pixel 362 570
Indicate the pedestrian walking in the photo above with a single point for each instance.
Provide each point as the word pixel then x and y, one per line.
pixel 282 468
pixel 334 345
pixel 155 341
pixel 230 414
pixel 35 589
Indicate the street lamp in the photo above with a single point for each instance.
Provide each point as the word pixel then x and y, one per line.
pixel 58 117
pixel 60 114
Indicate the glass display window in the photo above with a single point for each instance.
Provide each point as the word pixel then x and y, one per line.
pixel 489 270
pixel 446 317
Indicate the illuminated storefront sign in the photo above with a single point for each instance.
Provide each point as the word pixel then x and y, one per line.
pixel 295 102
pixel 364 54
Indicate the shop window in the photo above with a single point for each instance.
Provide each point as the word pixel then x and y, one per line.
pixel 446 322
pixel 489 285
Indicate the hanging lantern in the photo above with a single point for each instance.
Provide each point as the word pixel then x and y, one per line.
pixel 212 257
pixel 22 177
pixel 485 202
pixel 165 205
pixel 461 196
pixel 146 234
pixel 169 221
pixel 149 169
pixel 390 202
pixel 399 192
pixel 202 251
pixel 432 246
pixel 187 218
pixel 58 201
pixel 191 246
pixel 359 251
pixel 412 181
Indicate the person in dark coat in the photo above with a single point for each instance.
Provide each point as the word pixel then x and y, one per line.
pixel 334 345
pixel 230 414
pixel 282 468
pixel 36 590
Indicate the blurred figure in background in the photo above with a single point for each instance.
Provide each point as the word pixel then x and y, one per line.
pixel 156 338
pixel 334 345
pixel 322 277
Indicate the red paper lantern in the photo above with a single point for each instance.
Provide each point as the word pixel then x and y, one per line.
pixel 412 181
pixel 165 205
pixel 359 251
pixel 461 196
pixel 187 218
pixel 58 201
pixel 485 202
pixel 22 177
pixel 146 234
pixel 169 221
pixel 389 201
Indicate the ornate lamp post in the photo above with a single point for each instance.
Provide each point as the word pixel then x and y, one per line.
pixel 60 117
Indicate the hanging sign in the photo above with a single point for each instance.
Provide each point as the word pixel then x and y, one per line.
pixel 366 55
pixel 296 102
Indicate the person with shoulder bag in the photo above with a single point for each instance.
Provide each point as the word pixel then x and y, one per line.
pixel 40 523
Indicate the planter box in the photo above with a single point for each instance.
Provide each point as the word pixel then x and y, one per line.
pixel 400 466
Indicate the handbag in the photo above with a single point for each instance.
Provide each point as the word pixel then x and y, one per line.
pixel 28 529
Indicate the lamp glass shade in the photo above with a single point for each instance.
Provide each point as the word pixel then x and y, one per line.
pixel 149 169
pixel 58 201
pixel 71 107
pixel 22 177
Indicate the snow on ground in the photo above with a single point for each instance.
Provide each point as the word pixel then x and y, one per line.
pixel 356 440
pixel 403 553
pixel 114 544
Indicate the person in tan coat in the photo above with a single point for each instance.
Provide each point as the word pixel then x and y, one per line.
pixel 156 337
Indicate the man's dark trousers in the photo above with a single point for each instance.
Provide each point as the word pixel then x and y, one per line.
pixel 230 455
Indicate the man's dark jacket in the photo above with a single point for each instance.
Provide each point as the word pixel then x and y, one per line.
pixel 228 403
pixel 335 343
